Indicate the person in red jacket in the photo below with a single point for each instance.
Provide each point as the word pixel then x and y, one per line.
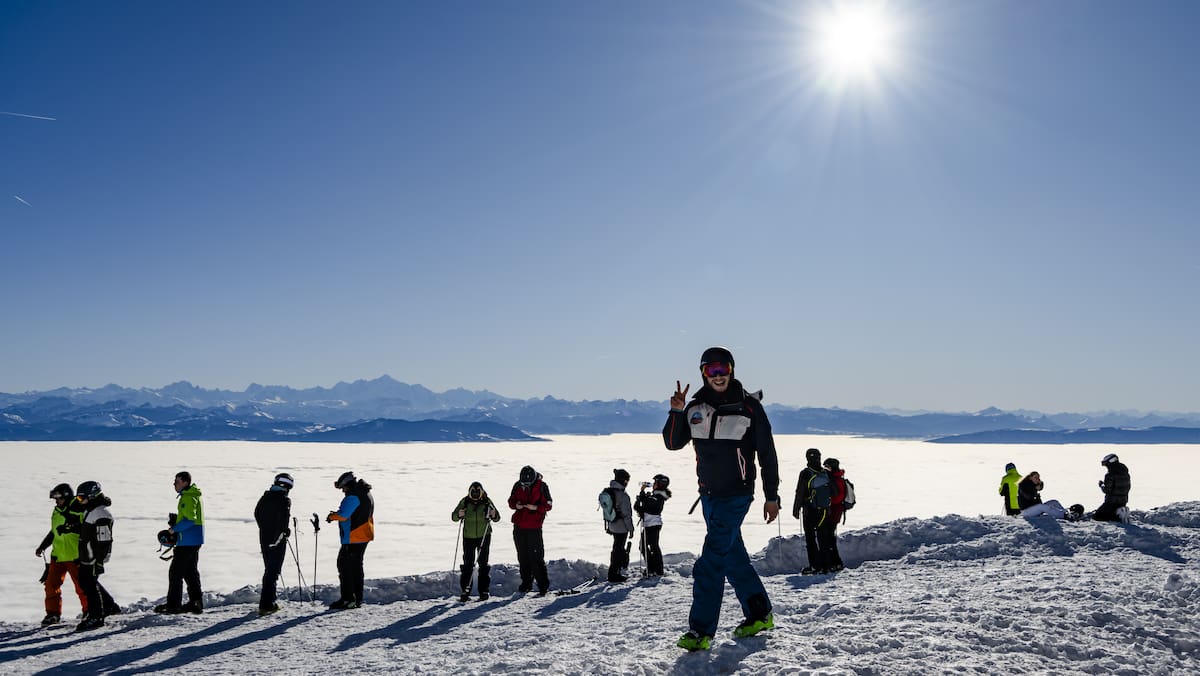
pixel 837 482
pixel 530 500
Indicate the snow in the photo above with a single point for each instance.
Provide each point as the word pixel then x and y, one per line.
pixel 922 593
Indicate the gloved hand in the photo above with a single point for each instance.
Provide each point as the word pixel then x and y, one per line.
pixel 64 528
pixel 38 552
pixel 1100 484
pixel 171 519
pixel 98 569
pixel 329 517
pixel 462 513
pixel 287 532
pixel 279 540
pixel 491 514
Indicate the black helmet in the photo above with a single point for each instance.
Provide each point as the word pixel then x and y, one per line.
pixel 717 354
pixel 285 481
pixel 813 454
pixel 621 476
pixel 661 481
pixel 62 491
pixel 89 489
pixel 1109 459
pixel 346 479
pixel 528 475
pixel 167 539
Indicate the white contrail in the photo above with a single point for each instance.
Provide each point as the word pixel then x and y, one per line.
pixel 36 117
pixel 18 198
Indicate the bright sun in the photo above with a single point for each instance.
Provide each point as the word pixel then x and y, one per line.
pixel 855 41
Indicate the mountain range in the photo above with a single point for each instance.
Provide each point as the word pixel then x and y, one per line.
pixel 386 410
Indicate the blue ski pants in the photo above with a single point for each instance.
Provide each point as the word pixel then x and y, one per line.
pixel 723 558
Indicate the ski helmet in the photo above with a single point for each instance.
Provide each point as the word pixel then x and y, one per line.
pixel 1010 467
pixel 832 464
pixel 528 475
pixel 717 354
pixel 89 489
pixel 62 491
pixel 346 479
pixel 167 539
pixel 661 481
pixel 813 456
pixel 1109 459
pixel 285 481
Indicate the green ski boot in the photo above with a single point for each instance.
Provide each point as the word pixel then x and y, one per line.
pixel 692 642
pixel 752 627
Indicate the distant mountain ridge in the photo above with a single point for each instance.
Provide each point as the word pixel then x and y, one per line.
pixel 387 410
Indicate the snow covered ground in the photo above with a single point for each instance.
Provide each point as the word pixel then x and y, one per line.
pixel 926 590
pixel 947 594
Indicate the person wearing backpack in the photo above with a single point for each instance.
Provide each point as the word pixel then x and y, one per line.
pixel 728 429
pixel 649 507
pixel 1009 490
pixel 356 526
pixel 837 502
pixel 477 512
pixel 619 526
pixel 813 499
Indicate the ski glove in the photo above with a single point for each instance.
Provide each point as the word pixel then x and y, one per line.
pixel 282 537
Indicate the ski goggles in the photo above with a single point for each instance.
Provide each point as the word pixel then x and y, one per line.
pixel 716 369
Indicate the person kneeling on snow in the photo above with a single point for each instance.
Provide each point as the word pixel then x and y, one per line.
pixel 1115 485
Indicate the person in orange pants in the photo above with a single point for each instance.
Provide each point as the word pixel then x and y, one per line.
pixel 63 543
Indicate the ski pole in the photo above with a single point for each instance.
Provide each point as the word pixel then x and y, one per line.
pixel 316 534
pixel 457 538
pixel 299 574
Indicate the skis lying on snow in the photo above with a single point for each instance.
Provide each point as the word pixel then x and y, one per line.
pixel 577 588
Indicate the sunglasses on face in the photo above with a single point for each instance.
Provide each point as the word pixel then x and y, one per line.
pixel 716 370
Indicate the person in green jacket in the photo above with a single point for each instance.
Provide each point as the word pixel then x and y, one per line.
pixel 477 512
pixel 1009 490
pixel 187 526
pixel 63 543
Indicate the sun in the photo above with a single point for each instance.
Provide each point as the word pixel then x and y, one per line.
pixel 855 41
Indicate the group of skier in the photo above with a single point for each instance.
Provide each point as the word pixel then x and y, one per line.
pixel 1023 495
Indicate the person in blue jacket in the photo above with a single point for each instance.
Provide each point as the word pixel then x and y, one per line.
pixel 187 527
pixel 728 429
pixel 356 524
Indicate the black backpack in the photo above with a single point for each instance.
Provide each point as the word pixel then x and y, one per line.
pixel 820 492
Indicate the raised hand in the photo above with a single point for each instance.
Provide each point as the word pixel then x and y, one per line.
pixel 679 399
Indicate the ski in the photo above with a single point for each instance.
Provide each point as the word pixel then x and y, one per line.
pixel 577 588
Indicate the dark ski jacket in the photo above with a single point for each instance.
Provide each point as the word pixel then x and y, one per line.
pixel 537 493
pixel 95 535
pixel 1116 485
pixel 727 431
pixel 649 506
pixel 1029 493
pixel 801 502
pixel 272 514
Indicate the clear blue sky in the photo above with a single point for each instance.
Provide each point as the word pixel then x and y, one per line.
pixel 576 198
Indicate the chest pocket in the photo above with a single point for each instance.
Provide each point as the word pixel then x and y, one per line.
pixel 731 427
pixel 104 533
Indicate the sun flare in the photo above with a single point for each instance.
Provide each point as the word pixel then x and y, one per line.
pixel 855 41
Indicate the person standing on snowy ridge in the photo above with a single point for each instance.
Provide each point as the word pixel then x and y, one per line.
pixel 356 525
pixel 187 524
pixel 477 512
pixel 530 500
pixel 66 519
pixel 272 514
pixel 837 497
pixel 1009 490
pixel 814 511
pixel 621 528
pixel 95 547
pixel 649 506
pixel 1115 486
pixel 728 428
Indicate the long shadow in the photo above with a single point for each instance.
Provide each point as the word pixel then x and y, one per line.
pixel 605 596
pixel 1056 539
pixel 1151 542
pixel 186 656
pixel 805 581
pixel 722 659
pixel 106 662
pixel 411 629
pixel 49 643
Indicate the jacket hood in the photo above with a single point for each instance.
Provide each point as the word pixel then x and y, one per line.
pixel 190 491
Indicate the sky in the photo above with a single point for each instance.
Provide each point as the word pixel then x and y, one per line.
pixel 576 199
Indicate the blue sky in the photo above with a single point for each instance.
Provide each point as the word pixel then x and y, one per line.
pixel 576 199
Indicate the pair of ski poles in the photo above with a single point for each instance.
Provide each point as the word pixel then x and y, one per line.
pixel 294 548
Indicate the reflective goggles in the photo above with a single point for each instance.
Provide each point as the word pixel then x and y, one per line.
pixel 716 369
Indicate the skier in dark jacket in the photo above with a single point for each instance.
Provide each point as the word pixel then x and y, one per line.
pixel 66 520
pixel 621 529
pixel 1115 485
pixel 477 513
pixel 272 514
pixel 1029 491
pixel 728 428
pixel 356 525
pixel 530 500
pixel 649 507
pixel 95 547
pixel 816 519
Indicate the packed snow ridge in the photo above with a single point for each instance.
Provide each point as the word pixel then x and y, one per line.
pixel 950 594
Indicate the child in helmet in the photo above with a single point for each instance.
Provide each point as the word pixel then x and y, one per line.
pixel 63 543
pixel 649 506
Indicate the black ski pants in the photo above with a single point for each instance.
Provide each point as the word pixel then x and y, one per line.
pixel 817 538
pixel 483 546
pixel 618 558
pixel 654 556
pixel 272 567
pixel 350 571
pixel 531 558
pixel 100 602
pixel 185 570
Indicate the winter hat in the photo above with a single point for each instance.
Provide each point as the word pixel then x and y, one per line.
pixel 832 464
pixel 285 481
pixel 621 476
pixel 528 475
pixel 813 455
pixel 661 481
pixel 1109 459
pixel 346 479
pixel 1009 467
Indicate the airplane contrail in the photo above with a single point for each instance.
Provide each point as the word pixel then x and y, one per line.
pixel 18 198
pixel 35 117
